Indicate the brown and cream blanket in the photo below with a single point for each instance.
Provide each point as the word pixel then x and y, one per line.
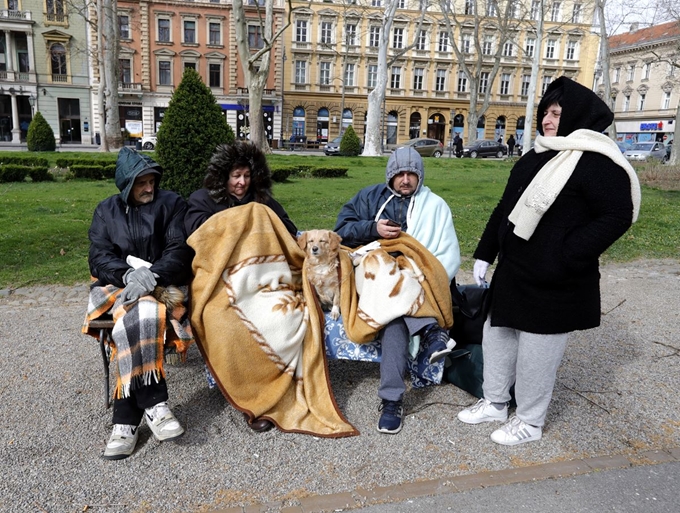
pixel 258 324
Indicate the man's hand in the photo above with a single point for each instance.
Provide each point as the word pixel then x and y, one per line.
pixel 479 271
pixel 143 276
pixel 386 231
pixel 132 292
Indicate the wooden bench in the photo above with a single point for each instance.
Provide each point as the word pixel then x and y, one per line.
pixel 105 327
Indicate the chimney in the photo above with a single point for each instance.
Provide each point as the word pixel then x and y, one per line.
pixel 634 26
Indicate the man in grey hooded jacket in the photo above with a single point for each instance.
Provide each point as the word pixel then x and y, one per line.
pixel 402 204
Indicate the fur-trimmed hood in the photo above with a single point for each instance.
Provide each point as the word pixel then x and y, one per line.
pixel 223 161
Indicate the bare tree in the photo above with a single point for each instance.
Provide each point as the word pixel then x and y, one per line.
pixel 255 62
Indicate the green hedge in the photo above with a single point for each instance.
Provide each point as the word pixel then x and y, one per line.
pixel 41 174
pixel 68 162
pixel 281 174
pixel 91 172
pixel 25 161
pixel 14 173
pixel 109 171
pixel 329 172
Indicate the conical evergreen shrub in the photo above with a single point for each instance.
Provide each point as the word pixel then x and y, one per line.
pixel 40 136
pixel 350 145
pixel 192 128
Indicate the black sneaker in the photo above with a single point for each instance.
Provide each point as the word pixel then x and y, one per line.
pixel 438 341
pixel 391 417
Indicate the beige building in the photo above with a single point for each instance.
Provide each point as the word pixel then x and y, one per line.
pixel 645 83
pixel 330 66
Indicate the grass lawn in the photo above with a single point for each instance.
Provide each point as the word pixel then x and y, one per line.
pixel 44 235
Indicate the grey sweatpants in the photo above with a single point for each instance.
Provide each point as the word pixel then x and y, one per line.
pixel 528 360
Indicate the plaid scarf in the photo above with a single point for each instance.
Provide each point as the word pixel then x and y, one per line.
pixel 141 340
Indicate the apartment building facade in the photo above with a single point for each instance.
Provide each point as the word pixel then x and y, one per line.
pixel 159 39
pixel 645 82
pixel 330 67
pixel 44 66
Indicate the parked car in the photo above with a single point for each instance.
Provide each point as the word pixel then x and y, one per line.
pixel 623 146
pixel 643 151
pixel 149 142
pixel 426 147
pixel 485 148
pixel 333 147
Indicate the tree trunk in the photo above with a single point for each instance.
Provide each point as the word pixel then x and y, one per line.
pixel 527 140
pixel 102 74
pixel 604 61
pixel 109 52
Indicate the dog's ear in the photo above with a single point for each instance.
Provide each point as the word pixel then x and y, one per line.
pixel 335 241
pixel 302 240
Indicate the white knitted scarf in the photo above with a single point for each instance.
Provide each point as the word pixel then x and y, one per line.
pixel 550 180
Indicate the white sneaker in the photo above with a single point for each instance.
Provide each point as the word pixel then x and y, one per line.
pixel 516 432
pixel 162 422
pixel 483 411
pixel 122 442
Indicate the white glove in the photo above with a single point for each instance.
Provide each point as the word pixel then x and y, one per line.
pixel 479 272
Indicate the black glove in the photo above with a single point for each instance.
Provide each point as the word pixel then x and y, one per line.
pixel 142 276
pixel 132 292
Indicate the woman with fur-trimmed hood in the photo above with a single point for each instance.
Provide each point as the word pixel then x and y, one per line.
pixel 237 174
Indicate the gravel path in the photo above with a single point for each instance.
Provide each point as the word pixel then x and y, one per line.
pixel 616 394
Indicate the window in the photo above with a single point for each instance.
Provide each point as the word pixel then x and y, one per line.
pixel 631 72
pixel 509 49
pixel 466 44
pixel 617 74
pixel 164 74
pixel 350 71
pixel 535 10
pixel 440 81
pixel 189 31
pixel 401 4
pixel 58 55
pixel 125 74
pixel 398 38
pixel 55 11
pixel 505 83
pixel 324 73
pixel 215 75
pixel 550 49
pixel 556 11
pixel 666 102
pixel 300 72
pixel 646 69
pixel 545 84
pixel 671 68
pixel 191 65
pixel 641 102
pixel 443 42
pixel 421 40
pixel 375 3
pixel 513 9
pixel 395 80
pixel 462 82
pixel 483 82
pixel 626 103
pixel 374 36
pixel 351 34
pixel 487 45
pixel 13 5
pixel 572 47
pixel 124 26
pixel 526 80
pixel 372 76
pixel 255 37
pixel 491 8
pixel 301 31
pixel 326 32
pixel 418 75
pixel 530 46
pixel 163 30
pixel 577 13
pixel 469 7
pixel 214 34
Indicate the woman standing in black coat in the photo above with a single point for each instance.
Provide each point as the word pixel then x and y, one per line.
pixel 565 203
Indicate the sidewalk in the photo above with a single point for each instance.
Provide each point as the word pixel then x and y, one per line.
pixel 615 405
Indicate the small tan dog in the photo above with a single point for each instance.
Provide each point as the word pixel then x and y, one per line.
pixel 322 262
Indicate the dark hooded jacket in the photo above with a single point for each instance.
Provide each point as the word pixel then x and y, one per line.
pixel 551 283
pixel 214 196
pixel 152 231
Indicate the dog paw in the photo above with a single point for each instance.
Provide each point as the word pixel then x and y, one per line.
pixel 335 313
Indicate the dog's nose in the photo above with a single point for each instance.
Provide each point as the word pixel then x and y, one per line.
pixel 315 249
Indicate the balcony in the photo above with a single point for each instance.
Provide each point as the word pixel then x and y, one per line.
pixel 129 88
pixel 59 79
pixel 56 18
pixel 6 14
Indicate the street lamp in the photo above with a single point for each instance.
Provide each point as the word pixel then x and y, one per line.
pixel 31 102
pixel 283 88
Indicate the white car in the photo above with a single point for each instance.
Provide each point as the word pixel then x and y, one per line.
pixel 644 151
pixel 149 142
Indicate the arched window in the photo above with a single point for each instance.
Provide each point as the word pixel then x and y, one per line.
pixel 458 124
pixel 322 125
pixel 392 125
pixel 500 128
pixel 481 123
pixel 414 125
pixel 347 119
pixel 519 133
pixel 299 122
pixel 58 53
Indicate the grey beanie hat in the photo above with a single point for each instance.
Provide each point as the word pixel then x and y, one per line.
pixel 405 159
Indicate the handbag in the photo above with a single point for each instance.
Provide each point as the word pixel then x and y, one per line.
pixel 469 313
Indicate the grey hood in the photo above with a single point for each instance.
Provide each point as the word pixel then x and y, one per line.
pixel 405 159
pixel 129 166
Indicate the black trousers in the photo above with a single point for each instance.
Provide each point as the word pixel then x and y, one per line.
pixel 130 410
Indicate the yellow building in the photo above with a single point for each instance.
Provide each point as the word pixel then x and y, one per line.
pixel 330 65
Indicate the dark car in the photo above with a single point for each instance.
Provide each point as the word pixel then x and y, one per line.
pixel 333 147
pixel 485 148
pixel 426 147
